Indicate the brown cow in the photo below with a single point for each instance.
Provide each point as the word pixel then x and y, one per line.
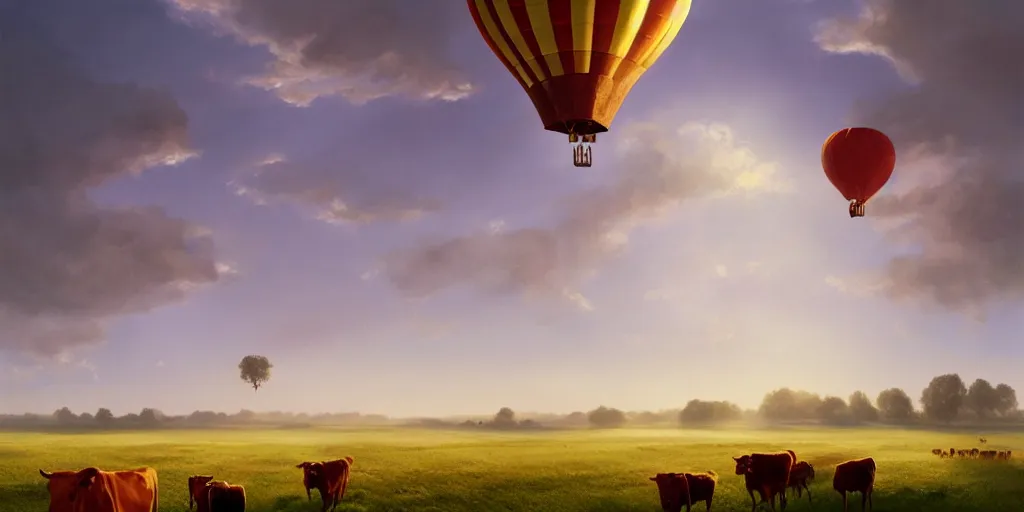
pixel 856 476
pixel 224 497
pixel 209 496
pixel 800 478
pixel 673 491
pixel 93 490
pixel 766 473
pixel 198 494
pixel 676 489
pixel 328 477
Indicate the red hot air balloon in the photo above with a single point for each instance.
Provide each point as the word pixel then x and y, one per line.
pixel 578 59
pixel 858 162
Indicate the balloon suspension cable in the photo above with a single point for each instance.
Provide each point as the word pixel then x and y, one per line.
pixel 856 208
pixel 582 155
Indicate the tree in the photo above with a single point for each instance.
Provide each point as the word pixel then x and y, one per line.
pixel 505 417
pixel 788 405
pixel 104 417
pixel 64 416
pixel 861 408
pixel 255 370
pixel 981 398
pixel 943 397
pixel 833 410
pixel 606 417
pixel 895 405
pixel 1006 400
pixel 576 418
pixel 150 417
pixel 701 411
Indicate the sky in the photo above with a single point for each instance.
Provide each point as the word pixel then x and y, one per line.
pixel 361 192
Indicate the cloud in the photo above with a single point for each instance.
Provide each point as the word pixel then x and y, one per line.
pixel 661 166
pixel 336 193
pixel 357 49
pixel 962 113
pixel 67 265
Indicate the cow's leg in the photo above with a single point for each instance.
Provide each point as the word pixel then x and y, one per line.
pixel 809 499
pixel 845 509
pixel 753 502
pixel 708 501
pixel 326 498
pixel 782 499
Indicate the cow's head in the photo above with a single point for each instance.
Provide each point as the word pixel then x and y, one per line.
pixel 196 484
pixel 67 487
pixel 742 464
pixel 312 476
pixel 673 490
pixel 810 471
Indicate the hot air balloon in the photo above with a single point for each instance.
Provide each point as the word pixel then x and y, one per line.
pixel 578 59
pixel 858 162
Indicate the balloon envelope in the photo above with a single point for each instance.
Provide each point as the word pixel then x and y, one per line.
pixel 578 59
pixel 858 162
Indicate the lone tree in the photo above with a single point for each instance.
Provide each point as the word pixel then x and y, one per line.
pixel 505 417
pixel 255 370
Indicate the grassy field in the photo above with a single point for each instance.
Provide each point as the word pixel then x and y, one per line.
pixel 400 469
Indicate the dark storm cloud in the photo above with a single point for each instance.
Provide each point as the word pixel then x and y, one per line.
pixel 67 264
pixel 661 167
pixel 357 49
pixel 966 109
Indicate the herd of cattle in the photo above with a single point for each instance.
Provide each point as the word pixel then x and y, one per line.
pixel 93 490
pixel 973 453
pixel 769 475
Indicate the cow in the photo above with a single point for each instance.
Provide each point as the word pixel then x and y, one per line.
pixel 766 473
pixel 982 440
pixel 800 478
pixel 856 475
pixel 198 494
pixel 224 497
pixel 94 490
pixel 937 451
pixel 209 496
pixel 328 477
pixel 673 491
pixel 676 489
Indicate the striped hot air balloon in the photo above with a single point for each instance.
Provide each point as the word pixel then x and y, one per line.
pixel 578 59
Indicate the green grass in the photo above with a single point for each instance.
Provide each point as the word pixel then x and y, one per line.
pixel 453 471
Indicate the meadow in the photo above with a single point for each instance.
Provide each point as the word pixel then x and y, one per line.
pixel 404 469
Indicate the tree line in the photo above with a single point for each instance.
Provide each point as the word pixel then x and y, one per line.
pixel 944 400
